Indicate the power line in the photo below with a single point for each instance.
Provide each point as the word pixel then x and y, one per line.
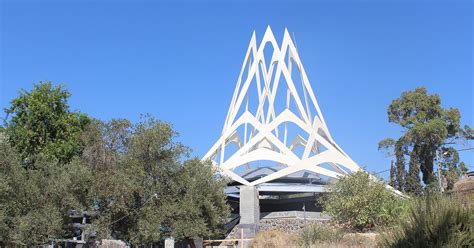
pixel 381 172
pixel 460 150
pixel 465 149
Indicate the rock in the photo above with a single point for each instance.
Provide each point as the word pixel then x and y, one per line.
pixel 110 243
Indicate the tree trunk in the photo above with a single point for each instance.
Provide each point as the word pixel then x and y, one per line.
pixel 191 242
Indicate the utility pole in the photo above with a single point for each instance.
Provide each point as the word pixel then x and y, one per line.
pixel 440 182
pixel 304 213
pixel 441 188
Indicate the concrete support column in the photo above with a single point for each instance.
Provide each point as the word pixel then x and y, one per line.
pixel 169 242
pixel 199 243
pixel 249 211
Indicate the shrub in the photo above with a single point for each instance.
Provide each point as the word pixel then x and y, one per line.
pixel 357 201
pixel 354 240
pixel 323 236
pixel 392 211
pixel 273 239
pixel 433 221
pixel 315 234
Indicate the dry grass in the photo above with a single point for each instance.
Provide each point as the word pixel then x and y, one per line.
pixel 464 189
pixel 278 239
pixel 273 239
pixel 350 240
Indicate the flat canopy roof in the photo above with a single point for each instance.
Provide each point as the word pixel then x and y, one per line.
pixel 281 188
pixel 301 188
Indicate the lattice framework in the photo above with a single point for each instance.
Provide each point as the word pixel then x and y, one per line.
pixel 262 133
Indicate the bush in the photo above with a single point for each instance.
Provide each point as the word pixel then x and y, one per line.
pixel 315 234
pixel 433 221
pixel 357 201
pixel 323 236
pixel 273 239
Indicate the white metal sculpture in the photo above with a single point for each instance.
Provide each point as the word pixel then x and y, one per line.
pixel 274 116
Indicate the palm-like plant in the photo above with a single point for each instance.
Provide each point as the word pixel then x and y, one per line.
pixel 433 221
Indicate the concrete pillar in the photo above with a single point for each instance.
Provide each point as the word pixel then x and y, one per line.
pixel 169 242
pixel 199 243
pixel 249 211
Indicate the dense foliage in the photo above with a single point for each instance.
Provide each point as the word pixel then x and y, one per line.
pixel 136 178
pixel 433 221
pixel 153 193
pixel 141 185
pixel 39 123
pixel 429 131
pixel 33 203
pixel 360 201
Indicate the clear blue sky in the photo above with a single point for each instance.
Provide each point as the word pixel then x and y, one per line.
pixel 180 62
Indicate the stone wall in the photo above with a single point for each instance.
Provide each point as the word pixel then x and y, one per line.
pixel 287 222
pixel 287 225
pixel 109 243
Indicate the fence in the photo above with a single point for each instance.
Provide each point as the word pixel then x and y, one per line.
pixel 234 242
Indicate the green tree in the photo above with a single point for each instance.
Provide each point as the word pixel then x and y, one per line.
pixel 412 183
pixel 393 176
pixel 34 203
pixel 452 169
pixel 360 201
pixel 399 150
pixel 427 129
pixel 155 192
pixel 202 209
pixel 39 122
pixel 135 177
pixel 105 143
pixel 40 133
pixel 463 168
pixel 153 157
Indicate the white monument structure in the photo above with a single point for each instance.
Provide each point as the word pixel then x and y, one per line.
pixel 274 127
pixel 275 144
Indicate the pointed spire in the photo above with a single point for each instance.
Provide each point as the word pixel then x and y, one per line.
pixel 262 139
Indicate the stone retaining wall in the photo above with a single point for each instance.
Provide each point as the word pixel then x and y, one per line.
pixel 287 222
pixel 288 225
